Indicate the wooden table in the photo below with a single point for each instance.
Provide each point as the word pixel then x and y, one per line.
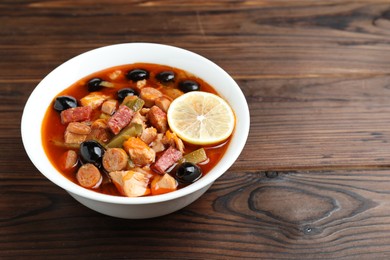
pixel 313 181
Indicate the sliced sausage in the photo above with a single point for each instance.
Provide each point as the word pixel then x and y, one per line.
pixel 115 159
pixel 167 159
pixel 76 114
pixel 120 119
pixel 89 176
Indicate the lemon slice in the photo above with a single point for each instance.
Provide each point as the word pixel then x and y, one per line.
pixel 201 118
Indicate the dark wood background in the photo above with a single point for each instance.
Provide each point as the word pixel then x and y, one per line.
pixel 313 181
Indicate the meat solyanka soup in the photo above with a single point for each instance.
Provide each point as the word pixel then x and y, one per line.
pixel 137 130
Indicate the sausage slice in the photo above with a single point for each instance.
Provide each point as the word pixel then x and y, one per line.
pixel 89 176
pixel 115 159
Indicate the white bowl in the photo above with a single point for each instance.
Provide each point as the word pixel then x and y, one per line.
pixel 109 56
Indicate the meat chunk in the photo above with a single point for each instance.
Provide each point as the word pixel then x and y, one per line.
pixel 140 153
pixel 69 160
pixel 109 106
pixel 72 138
pixel 172 139
pixel 120 119
pixel 79 128
pixel 163 184
pixel 76 114
pixel 158 119
pixel 76 132
pixel 131 183
pixel 89 176
pixel 149 95
pixel 167 159
pixel 140 84
pixel 99 131
pixel 115 74
pixel 158 145
pixel 172 93
pixel 163 103
pixel 115 159
pixel 139 119
pixel 93 99
pixel 149 135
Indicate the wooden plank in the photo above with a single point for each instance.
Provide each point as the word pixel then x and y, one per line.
pixel 322 123
pixel 249 40
pixel 287 215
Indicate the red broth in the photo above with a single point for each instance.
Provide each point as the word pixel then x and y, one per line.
pixel 53 130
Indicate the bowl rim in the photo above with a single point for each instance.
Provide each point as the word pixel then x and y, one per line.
pixel 239 141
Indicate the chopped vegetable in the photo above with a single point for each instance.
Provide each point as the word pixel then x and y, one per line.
pixel 133 102
pixel 132 130
pixel 196 156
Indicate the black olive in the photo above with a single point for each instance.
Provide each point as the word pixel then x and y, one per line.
pixel 166 76
pixel 124 92
pixel 92 152
pixel 94 84
pixel 188 172
pixel 189 85
pixel 64 102
pixel 137 74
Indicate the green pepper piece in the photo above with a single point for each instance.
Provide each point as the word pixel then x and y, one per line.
pixel 131 130
pixel 133 102
pixel 196 156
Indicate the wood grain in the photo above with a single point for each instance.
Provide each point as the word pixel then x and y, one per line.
pixel 287 215
pixel 313 180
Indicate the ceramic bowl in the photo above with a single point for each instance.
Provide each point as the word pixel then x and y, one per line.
pixel 98 59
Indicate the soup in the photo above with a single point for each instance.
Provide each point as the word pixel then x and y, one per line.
pixel 109 132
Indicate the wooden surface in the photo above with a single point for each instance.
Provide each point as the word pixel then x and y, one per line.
pixel 313 181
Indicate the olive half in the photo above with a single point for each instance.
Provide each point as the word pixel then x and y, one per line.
pixel 62 103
